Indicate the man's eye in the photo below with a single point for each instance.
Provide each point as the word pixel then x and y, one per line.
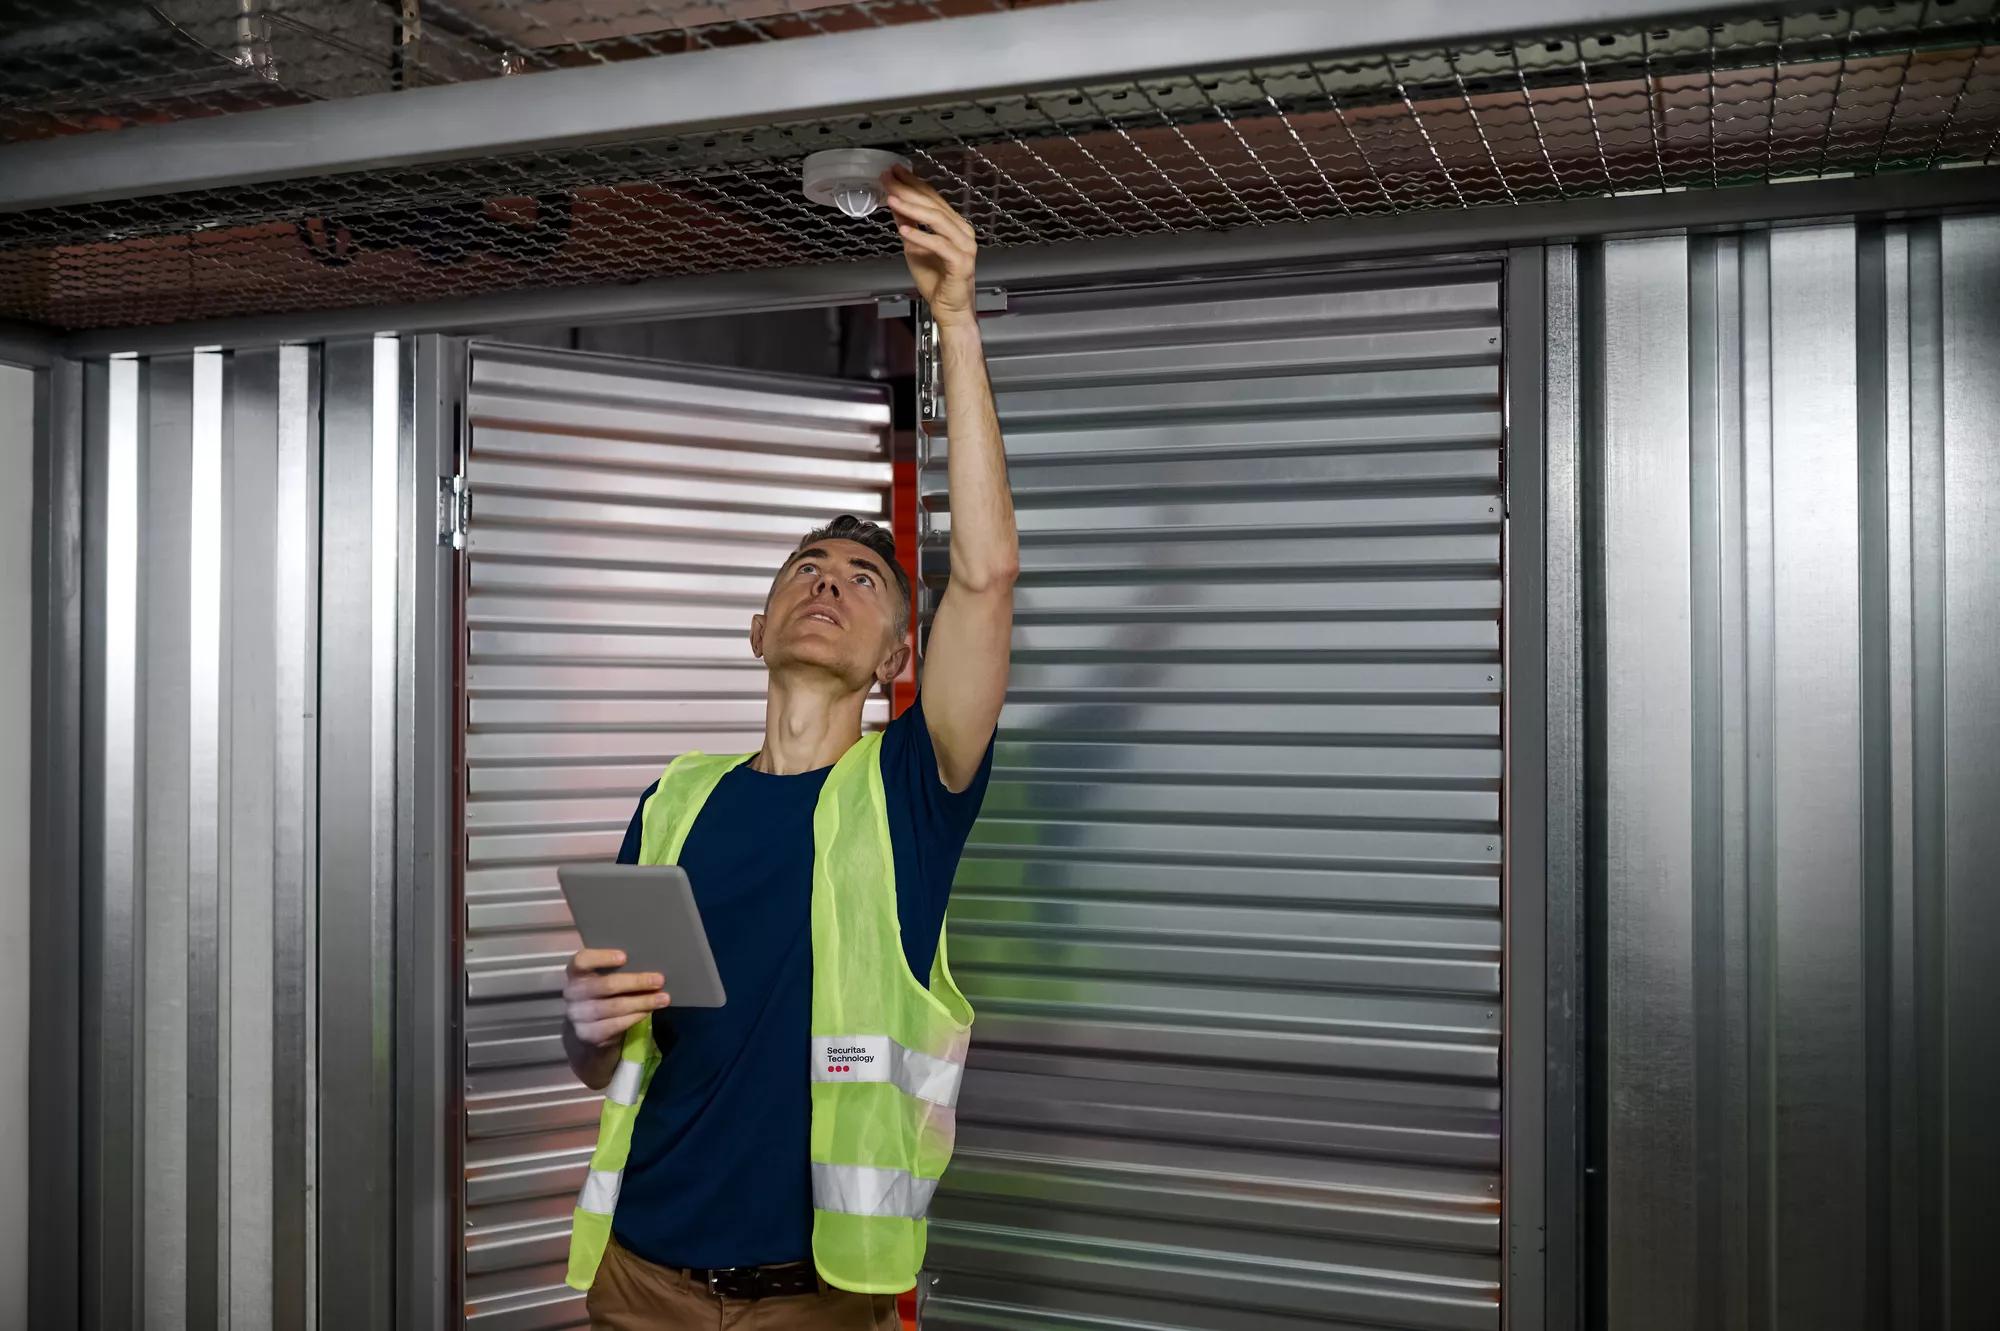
pixel 808 568
pixel 863 580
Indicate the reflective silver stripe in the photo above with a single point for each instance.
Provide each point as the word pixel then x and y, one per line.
pixel 600 1191
pixel 624 1087
pixel 878 1058
pixel 864 1190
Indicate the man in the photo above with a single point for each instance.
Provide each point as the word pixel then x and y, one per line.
pixel 769 1162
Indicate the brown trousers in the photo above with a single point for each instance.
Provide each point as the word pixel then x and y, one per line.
pixel 632 1294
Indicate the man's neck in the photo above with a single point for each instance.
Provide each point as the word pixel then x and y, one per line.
pixel 809 723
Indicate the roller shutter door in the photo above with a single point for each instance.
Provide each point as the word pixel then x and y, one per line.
pixel 1231 917
pixel 628 518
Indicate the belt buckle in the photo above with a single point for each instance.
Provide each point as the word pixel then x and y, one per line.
pixel 718 1276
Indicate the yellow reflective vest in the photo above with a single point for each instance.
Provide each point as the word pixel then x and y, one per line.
pixel 886 1053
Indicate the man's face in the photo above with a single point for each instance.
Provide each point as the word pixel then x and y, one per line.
pixel 833 608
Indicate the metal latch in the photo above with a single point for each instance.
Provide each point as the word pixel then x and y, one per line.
pixel 930 371
pixel 454 511
pixel 930 357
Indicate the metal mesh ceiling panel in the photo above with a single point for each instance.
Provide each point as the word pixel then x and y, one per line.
pixel 1850 91
pixel 71 68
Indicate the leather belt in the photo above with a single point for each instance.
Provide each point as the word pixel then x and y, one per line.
pixel 756 1282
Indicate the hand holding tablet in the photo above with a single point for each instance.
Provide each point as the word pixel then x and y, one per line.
pixel 602 1002
pixel 641 933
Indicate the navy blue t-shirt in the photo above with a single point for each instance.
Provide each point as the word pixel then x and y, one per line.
pixel 718 1173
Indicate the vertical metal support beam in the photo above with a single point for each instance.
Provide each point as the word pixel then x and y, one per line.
pixel 1564 852
pixel 1903 1156
pixel 429 1076
pixel 1816 782
pixel 1649 1057
pixel 933 560
pixel 388 437
pixel 1716 630
pixel 1525 735
pixel 165 490
pixel 1760 686
pixel 113 1161
pixel 55 920
pixel 251 588
pixel 293 1047
pixel 1971 760
pixel 207 919
pixel 1929 915
pixel 1874 325
pixel 356 861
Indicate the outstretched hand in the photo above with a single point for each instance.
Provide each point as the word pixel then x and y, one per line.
pixel 938 245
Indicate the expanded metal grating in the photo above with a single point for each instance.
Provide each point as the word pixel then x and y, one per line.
pixel 78 66
pixel 1859 90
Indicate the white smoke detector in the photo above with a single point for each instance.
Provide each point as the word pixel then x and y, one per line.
pixel 849 179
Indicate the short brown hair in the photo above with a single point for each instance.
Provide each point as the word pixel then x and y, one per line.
pixel 876 537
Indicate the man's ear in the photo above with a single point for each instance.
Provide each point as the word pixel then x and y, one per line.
pixel 757 636
pixel 887 672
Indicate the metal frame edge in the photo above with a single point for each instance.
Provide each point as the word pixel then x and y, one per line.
pixel 1567 1072
pixel 55 909
pixel 1525 749
pixel 428 970
pixel 30 346
pixel 1108 41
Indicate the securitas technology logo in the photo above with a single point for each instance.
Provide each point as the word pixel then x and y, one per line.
pixel 843 1060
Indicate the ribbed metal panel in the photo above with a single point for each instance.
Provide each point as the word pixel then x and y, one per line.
pixel 1792 463
pixel 628 518
pixel 212 922
pixel 1231 917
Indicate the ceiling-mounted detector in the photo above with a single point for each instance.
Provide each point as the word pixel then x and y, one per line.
pixel 849 179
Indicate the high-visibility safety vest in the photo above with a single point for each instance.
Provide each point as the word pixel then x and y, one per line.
pixel 886 1053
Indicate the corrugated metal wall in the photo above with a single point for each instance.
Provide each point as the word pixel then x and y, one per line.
pixel 1793 466
pixel 1231 918
pixel 628 519
pixel 222 755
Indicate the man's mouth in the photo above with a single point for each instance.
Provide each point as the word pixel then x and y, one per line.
pixel 826 615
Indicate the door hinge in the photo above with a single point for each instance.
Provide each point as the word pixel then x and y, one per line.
pixel 454 511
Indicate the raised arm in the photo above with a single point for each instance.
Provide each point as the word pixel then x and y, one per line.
pixel 965 666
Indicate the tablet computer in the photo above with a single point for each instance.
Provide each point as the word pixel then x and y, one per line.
pixel 648 913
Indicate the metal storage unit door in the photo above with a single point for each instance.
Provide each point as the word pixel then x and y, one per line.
pixel 1231 917
pixel 628 519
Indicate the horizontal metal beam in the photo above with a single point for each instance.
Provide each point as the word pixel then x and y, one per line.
pixel 28 345
pixel 1081 262
pixel 913 64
